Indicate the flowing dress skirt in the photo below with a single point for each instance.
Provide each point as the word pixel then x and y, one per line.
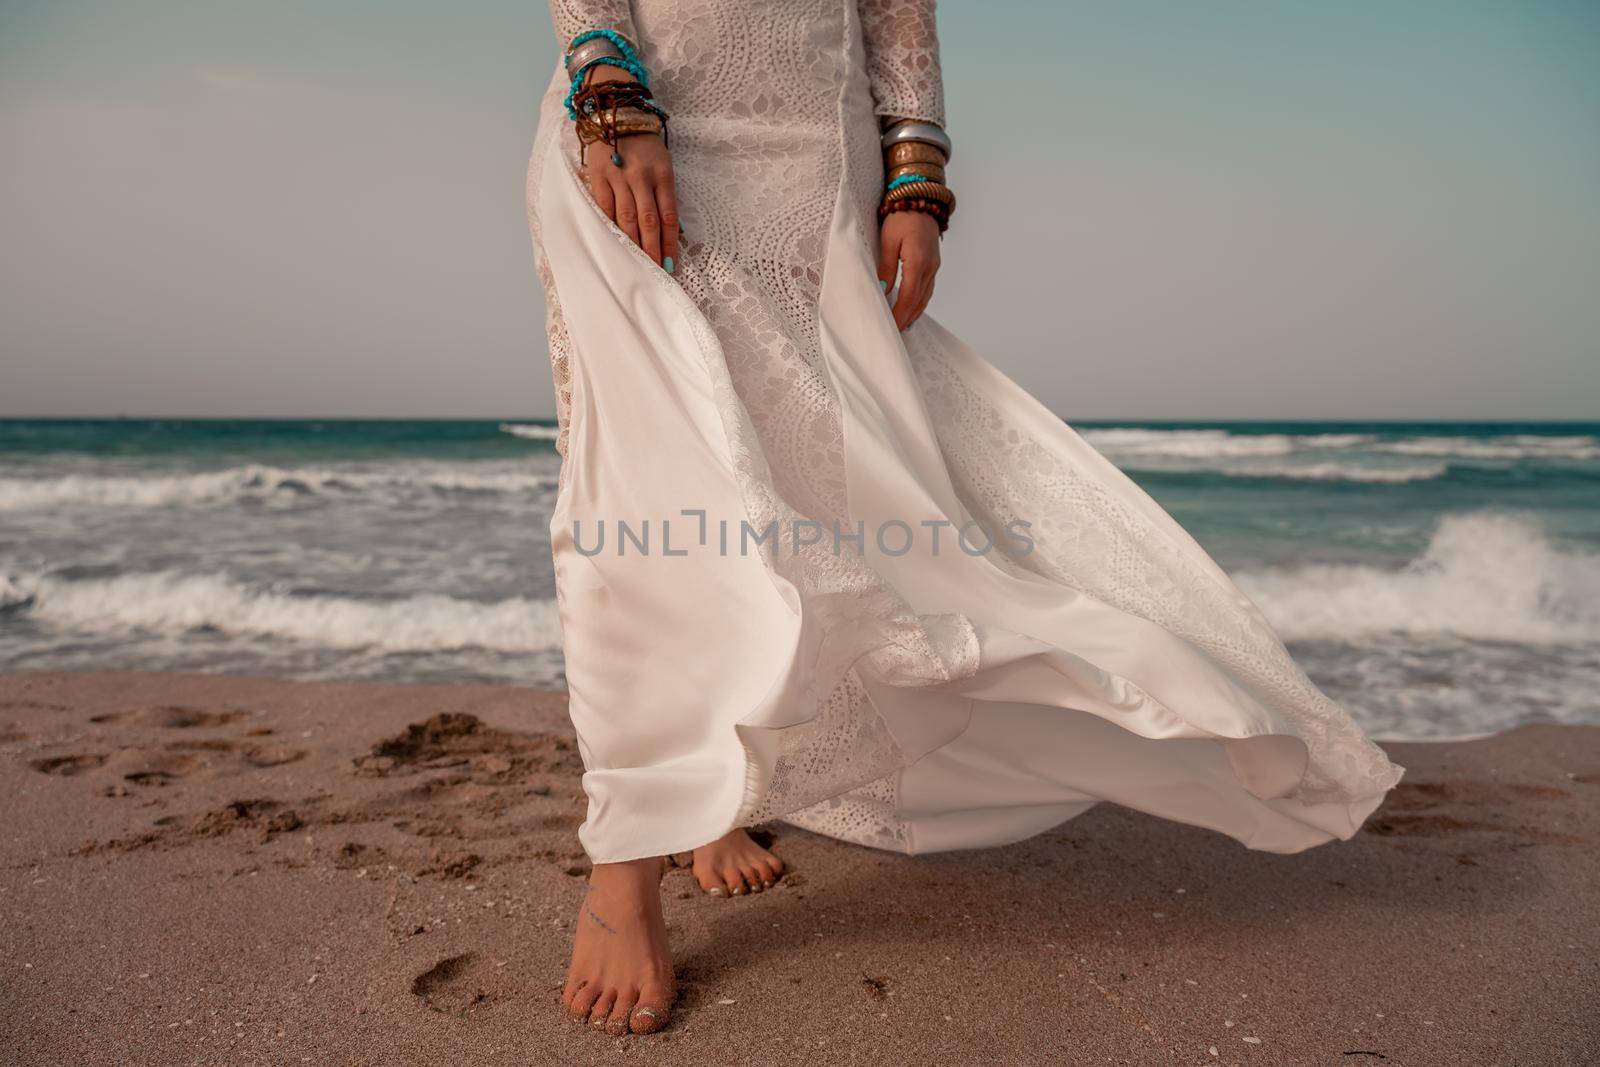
pixel 783 619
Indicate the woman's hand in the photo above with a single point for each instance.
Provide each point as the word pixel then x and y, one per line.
pixel 909 240
pixel 638 196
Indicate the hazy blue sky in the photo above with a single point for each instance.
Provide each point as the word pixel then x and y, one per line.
pixel 1223 209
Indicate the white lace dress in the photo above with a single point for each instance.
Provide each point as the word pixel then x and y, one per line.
pixel 861 672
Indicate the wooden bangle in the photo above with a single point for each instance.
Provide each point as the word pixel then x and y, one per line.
pixel 940 214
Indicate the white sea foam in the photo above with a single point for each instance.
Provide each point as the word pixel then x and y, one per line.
pixel 1301 457
pixel 1210 444
pixel 257 481
pixel 1337 472
pixel 1483 576
pixel 1120 444
pixel 1333 440
pixel 13 593
pixel 169 603
pixel 1512 446
pixel 530 431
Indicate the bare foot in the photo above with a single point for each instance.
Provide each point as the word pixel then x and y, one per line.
pixel 621 973
pixel 734 864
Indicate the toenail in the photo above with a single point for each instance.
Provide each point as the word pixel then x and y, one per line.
pixel 715 891
pixel 598 1024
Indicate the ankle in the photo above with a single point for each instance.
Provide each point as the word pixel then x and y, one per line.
pixel 629 875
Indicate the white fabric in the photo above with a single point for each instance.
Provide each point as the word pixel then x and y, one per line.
pixel 919 701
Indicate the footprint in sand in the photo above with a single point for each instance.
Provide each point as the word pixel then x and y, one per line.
pixel 478 751
pixel 169 717
pixel 1417 809
pixel 170 763
pixel 155 768
pixel 253 754
pixel 186 759
pixel 67 766
pixel 457 985
pixel 32 705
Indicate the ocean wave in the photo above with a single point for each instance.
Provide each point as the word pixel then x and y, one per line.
pixel 1511 446
pixel 256 481
pixel 1124 443
pixel 1119 443
pixel 530 431
pixel 167 602
pixel 1483 576
pixel 1338 472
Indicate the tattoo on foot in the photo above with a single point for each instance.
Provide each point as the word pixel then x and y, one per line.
pixel 607 927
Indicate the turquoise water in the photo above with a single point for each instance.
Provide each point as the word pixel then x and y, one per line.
pixel 1441 579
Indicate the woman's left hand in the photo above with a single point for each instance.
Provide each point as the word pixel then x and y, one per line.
pixel 909 241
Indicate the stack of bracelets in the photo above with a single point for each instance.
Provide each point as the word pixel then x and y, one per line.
pixel 609 111
pixel 914 157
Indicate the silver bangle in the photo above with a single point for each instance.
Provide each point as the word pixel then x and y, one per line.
pixel 586 53
pixel 924 132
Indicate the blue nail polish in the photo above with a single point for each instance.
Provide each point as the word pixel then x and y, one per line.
pixel 883 285
pixel 667 264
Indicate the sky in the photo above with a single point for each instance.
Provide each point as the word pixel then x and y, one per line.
pixel 1224 210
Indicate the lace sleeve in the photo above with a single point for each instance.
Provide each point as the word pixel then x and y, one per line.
pixel 572 17
pixel 902 58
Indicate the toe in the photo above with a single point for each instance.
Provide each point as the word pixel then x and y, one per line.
pixel 772 866
pixel 650 1014
pixel 754 879
pixel 734 881
pixel 622 1012
pixel 583 1002
pixel 602 1009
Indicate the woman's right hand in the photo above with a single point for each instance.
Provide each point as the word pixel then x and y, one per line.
pixel 638 196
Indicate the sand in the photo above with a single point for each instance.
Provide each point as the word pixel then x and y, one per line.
pixel 219 870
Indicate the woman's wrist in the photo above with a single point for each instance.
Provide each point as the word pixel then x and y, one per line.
pixel 914 157
pixel 605 72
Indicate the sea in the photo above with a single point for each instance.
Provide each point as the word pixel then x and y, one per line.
pixel 1441 580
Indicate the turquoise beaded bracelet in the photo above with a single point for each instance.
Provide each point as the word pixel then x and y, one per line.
pixel 907 179
pixel 628 62
pixel 624 45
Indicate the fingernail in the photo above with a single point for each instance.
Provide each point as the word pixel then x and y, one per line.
pixel 883 285
pixel 667 264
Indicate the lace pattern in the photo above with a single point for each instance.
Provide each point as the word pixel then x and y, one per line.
pixel 572 17
pixel 757 173
pixel 902 46
pixel 757 193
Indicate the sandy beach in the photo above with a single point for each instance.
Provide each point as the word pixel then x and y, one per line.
pixel 223 870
